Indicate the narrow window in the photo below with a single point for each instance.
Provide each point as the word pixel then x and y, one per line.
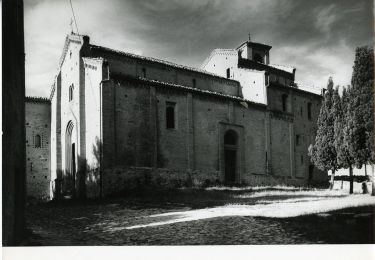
pixel 284 101
pixel 37 141
pixel 267 79
pixel 143 72
pixel 31 167
pixel 194 83
pixel 70 54
pixel 170 115
pixel 309 106
pixel 228 73
pixel 301 159
pixel 71 92
pixel 301 111
pixel 258 58
pixel 297 139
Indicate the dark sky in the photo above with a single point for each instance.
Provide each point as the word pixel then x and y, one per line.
pixel 317 37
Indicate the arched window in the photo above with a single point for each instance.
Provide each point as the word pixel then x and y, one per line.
pixel 194 83
pixel 37 141
pixel 143 72
pixel 309 106
pixel 71 88
pixel 258 58
pixel 170 115
pixel 284 98
pixel 230 137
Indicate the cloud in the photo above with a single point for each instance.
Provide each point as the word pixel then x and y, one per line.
pixel 316 37
pixel 316 65
pixel 325 17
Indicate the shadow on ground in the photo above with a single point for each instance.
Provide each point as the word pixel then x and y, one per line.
pixel 96 222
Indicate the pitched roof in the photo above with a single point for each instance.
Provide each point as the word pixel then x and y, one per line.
pixel 297 89
pixel 255 44
pixel 182 87
pixel 288 69
pixel 246 63
pixel 168 63
pixel 232 52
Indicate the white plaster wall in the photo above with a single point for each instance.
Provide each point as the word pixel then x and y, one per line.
pixel 252 81
pixel 70 109
pixel 93 78
pixel 220 61
pixel 53 152
pixel 253 84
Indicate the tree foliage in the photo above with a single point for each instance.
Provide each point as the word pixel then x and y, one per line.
pixel 323 152
pixel 360 132
pixel 341 128
pixel 345 136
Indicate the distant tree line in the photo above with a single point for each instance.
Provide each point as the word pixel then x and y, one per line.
pixel 345 135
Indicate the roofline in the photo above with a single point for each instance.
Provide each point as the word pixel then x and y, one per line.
pixel 37 99
pixel 243 62
pixel 167 63
pixel 68 38
pixel 118 76
pixel 272 84
pixel 294 69
pixel 213 52
pixel 257 44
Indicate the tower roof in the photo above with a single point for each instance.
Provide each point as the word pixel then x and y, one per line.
pixel 256 45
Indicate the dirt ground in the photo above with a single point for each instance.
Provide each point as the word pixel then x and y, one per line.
pixel 105 222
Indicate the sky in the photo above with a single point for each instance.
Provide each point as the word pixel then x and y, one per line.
pixel 317 37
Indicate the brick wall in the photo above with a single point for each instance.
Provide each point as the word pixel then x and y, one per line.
pixel 38 161
pixel 135 135
pixel 290 125
pixel 125 116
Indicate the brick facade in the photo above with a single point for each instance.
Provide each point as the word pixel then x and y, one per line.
pixel 38 131
pixel 129 115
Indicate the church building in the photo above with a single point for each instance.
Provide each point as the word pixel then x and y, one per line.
pixel 118 119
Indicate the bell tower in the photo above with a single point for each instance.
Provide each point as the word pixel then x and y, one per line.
pixel 254 51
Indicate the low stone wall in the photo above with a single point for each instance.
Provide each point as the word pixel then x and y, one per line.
pixel 273 180
pixel 120 179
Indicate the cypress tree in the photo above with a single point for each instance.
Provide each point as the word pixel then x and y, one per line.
pixel 341 126
pixel 360 132
pixel 323 152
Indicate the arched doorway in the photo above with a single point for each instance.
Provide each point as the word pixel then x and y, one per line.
pixel 230 157
pixel 68 184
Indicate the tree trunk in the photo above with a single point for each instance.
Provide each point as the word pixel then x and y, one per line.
pixel 332 180
pixel 351 179
pixel 373 181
